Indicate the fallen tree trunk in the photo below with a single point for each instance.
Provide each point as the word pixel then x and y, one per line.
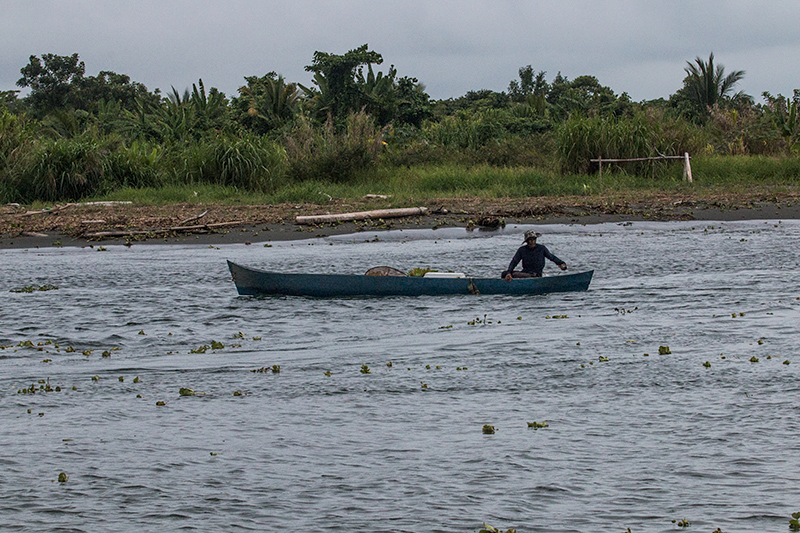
pixel 362 215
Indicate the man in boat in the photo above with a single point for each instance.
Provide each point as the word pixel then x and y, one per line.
pixel 532 256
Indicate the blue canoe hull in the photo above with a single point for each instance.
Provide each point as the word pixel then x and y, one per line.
pixel 250 281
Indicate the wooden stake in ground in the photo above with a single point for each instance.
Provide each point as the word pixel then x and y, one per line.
pixel 687 167
pixel 362 215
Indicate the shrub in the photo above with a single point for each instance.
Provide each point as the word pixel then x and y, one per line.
pixel 134 166
pixel 330 156
pixel 643 135
pixel 251 162
pixel 16 139
pixel 62 169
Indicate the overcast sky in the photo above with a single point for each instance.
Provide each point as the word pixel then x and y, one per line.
pixel 640 47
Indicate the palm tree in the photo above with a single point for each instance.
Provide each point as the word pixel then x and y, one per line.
pixel 267 103
pixel 707 85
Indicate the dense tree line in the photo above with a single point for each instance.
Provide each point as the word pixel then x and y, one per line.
pixel 75 135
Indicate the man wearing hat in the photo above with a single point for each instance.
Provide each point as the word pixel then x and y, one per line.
pixel 532 256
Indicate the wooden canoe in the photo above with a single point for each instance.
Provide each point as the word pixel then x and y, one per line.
pixel 250 281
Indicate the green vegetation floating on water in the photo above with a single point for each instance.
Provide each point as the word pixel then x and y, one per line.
pixel 794 523
pixel 357 132
pixel 489 529
pixel 34 288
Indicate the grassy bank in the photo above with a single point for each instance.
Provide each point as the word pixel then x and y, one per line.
pixel 407 186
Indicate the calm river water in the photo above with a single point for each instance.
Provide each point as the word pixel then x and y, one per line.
pixel 640 440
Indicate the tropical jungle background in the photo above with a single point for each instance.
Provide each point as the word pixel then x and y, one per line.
pixel 359 129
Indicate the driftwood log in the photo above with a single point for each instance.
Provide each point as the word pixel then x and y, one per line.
pixel 362 215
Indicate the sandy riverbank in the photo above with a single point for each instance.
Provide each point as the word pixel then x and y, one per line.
pixel 78 224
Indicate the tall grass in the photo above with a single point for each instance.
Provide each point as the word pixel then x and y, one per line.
pixel 746 171
pixel 16 141
pixel 62 169
pixel 251 163
pixel 328 155
pixel 581 139
pixel 137 165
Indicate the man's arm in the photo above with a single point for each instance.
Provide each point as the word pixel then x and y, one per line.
pixel 515 260
pixel 561 264
pixel 513 264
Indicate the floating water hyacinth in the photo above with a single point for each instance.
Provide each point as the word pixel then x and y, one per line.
pixel 217 345
pixel 365 369
pixel 488 430
pixel 754 359
pixel 63 477
pixel 794 523
pixel 237 393
pixel 34 288
pixel 136 379
pixel 489 529
pixel 327 373
pixel 664 350
pixel 603 359
pixel 186 392
pixel 275 369
pixel 707 364
pixel 538 425
pixel 160 403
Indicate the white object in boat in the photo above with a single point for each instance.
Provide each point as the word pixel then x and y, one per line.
pixel 444 275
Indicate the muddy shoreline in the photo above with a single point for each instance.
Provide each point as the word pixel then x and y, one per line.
pixel 212 224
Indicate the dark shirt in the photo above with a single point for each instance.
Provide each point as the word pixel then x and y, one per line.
pixel 532 259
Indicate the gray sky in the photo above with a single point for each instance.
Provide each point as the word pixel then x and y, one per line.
pixel 452 46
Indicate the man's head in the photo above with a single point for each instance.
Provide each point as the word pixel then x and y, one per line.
pixel 530 237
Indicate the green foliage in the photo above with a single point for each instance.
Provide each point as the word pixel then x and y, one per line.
pixel 530 85
pixel 705 86
pixel 743 171
pixel 105 135
pixel 739 132
pixel 49 79
pixel 643 135
pixel 336 77
pixel 16 140
pixel 266 104
pixel 331 156
pixel 782 111
pixel 90 93
pixel 137 165
pixel 62 169
pixel 249 162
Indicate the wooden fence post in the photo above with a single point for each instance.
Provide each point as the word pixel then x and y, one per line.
pixel 600 168
pixel 687 168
